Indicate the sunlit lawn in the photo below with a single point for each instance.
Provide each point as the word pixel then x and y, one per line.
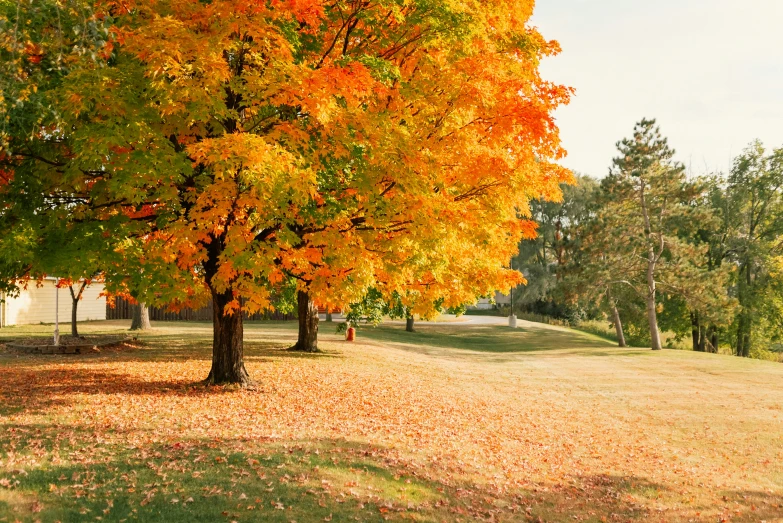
pixel 451 423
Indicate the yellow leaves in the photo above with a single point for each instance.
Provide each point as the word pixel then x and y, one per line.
pixel 340 149
pixel 252 159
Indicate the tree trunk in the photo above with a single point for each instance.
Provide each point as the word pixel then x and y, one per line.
pixel 652 260
pixel 652 314
pixel 702 338
pixel 141 318
pixel 695 330
pixel 712 334
pixel 618 326
pixel 74 328
pixel 745 323
pixel 228 352
pixel 75 297
pixel 228 364
pixel 652 317
pixel 329 315
pixel 746 341
pixel 740 335
pixel 308 324
pixel 409 323
pixel 748 311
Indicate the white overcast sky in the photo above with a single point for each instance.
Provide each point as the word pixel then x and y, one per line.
pixel 710 72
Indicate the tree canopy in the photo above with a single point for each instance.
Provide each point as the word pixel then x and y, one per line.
pixel 220 149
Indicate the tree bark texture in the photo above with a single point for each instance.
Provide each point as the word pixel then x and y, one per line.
pixel 141 318
pixel 618 326
pixel 409 323
pixel 228 363
pixel 228 352
pixel 308 324
pixel 712 334
pixel 652 261
pixel 740 338
pixel 74 328
pixel 743 335
pixel 702 338
pixel 746 341
pixel 695 330
pixel 745 322
pixel 652 314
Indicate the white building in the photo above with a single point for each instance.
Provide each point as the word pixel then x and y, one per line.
pixel 36 304
pixel 485 303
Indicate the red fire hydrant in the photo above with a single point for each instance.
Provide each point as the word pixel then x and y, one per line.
pixel 350 334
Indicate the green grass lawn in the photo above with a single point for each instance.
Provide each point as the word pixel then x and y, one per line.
pixel 454 422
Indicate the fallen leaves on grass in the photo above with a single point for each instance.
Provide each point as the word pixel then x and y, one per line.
pixel 385 431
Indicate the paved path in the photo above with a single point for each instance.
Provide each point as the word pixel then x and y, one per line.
pixel 469 319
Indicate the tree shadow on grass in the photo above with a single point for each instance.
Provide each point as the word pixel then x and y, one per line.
pixel 37 383
pixel 164 348
pixel 303 480
pixel 36 391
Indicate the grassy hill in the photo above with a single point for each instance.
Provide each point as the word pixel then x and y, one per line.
pixel 456 422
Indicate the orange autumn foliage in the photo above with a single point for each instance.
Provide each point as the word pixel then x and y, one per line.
pixel 374 152
pixel 339 145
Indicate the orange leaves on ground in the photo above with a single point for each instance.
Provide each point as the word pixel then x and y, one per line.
pixel 548 423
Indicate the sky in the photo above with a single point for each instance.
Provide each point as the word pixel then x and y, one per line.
pixel 710 72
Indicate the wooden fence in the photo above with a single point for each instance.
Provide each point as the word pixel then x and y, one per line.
pixel 123 310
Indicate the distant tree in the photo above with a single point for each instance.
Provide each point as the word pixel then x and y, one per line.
pixel 375 306
pixel 708 303
pixel 655 251
pixel 542 259
pixel 76 290
pixel 646 208
pixel 754 227
pixel 590 278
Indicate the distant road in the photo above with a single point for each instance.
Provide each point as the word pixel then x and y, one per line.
pixel 469 319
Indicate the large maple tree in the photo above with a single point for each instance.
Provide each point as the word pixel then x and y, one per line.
pixel 229 147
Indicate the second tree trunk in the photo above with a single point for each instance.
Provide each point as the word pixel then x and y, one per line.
pixel 308 324
pixel 74 315
pixel 75 297
pixel 618 326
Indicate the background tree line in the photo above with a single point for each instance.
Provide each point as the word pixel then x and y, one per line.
pixel 653 250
